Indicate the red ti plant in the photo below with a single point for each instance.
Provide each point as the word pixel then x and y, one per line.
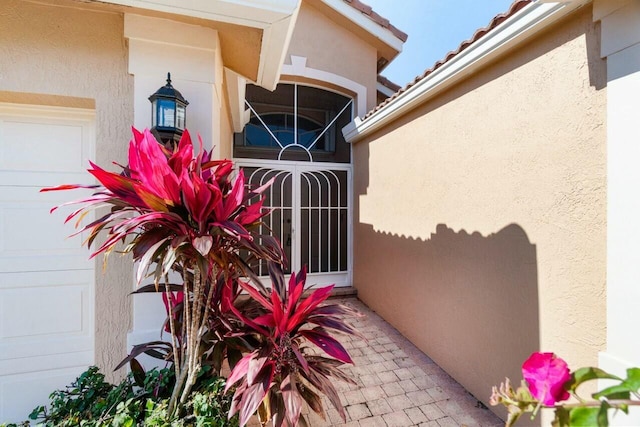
pixel 282 371
pixel 183 213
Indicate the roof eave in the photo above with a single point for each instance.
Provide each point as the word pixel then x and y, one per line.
pixel 358 18
pixel 513 31
pixel 275 17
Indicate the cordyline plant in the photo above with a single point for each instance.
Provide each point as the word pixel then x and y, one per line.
pixel 548 383
pixel 282 372
pixel 183 213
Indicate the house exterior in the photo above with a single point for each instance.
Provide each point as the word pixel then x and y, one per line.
pixel 75 75
pixel 506 177
pixel 486 210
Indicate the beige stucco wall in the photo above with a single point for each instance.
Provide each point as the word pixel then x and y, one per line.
pixel 333 48
pixel 481 215
pixel 80 58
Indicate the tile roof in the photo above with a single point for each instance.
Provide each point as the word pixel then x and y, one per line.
pixel 516 6
pixel 383 22
pixel 388 83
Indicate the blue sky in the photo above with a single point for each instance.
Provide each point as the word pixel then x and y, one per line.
pixel 435 27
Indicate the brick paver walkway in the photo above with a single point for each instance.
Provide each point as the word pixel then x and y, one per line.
pixel 398 385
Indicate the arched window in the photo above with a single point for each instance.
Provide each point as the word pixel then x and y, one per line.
pixel 280 127
pixel 295 122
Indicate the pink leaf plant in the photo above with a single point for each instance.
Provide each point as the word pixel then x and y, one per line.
pixel 189 203
pixel 182 212
pixel 283 371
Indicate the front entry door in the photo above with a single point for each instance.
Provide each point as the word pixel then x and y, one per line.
pixel 310 215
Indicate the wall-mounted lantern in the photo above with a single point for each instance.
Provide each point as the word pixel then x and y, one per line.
pixel 168 113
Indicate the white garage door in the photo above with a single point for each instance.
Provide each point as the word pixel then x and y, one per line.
pixel 46 279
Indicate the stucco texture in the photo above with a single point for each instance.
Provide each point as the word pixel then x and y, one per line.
pixel 66 56
pixel 481 215
pixel 331 47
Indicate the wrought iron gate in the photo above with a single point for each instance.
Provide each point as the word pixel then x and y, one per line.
pixel 310 214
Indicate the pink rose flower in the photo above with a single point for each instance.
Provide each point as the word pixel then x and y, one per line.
pixel 546 376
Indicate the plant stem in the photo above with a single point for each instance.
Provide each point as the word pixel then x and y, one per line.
pixel 173 407
pixel 614 403
pixel 193 326
pixel 172 328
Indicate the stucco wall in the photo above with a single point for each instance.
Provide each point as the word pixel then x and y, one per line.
pixel 481 215
pixel 78 56
pixel 332 48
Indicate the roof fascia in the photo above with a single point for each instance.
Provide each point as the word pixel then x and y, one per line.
pixel 361 20
pixel 275 17
pixel 513 31
pixel 384 90
pixel 275 43
pixel 236 90
pixel 249 13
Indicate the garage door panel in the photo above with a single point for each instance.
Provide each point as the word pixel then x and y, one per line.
pixel 14 407
pixel 45 313
pixel 64 359
pixel 42 180
pixel 61 305
pixel 24 140
pixel 32 239
pixel 47 280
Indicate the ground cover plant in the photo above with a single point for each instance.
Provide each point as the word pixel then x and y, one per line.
pixel 191 225
pixel 90 401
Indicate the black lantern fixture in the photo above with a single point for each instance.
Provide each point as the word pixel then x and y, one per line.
pixel 168 114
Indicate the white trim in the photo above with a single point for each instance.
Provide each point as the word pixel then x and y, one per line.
pixel 620 29
pixel 196 70
pixel 49 112
pixel 299 68
pixel 521 26
pixel 249 13
pixel 602 9
pixel 384 90
pixel 276 18
pixel 275 44
pixel 174 33
pixel 236 90
pixel 621 49
pixel 363 21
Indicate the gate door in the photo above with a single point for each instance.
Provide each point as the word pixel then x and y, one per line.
pixel 310 215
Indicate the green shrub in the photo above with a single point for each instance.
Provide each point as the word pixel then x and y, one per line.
pixel 140 399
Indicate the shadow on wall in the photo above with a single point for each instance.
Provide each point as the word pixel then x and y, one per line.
pixel 469 302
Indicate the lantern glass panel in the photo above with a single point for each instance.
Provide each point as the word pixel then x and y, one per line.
pixel 166 110
pixel 154 114
pixel 180 116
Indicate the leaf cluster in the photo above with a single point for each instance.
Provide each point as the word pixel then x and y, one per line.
pixel 283 371
pixel 90 401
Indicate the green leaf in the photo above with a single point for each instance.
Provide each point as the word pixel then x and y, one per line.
pixel 631 384
pixel 620 391
pixel 603 415
pixel 561 418
pixel 633 379
pixel 584 417
pixel 583 375
pixel 138 372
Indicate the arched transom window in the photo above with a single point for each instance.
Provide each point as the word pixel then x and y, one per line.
pixel 295 122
